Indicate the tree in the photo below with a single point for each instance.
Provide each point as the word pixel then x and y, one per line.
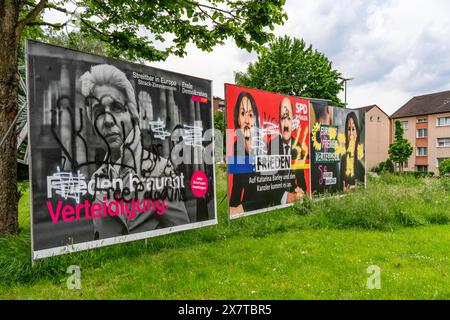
pixel 130 30
pixel 219 121
pixel 289 67
pixel 444 167
pixel 384 166
pixel 77 41
pixel 219 124
pixel 401 149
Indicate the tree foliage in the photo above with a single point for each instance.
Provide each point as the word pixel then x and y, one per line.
pixel 384 166
pixel 76 41
pixel 444 167
pixel 290 67
pixel 219 121
pixel 30 32
pixel 219 124
pixel 153 30
pixel 401 149
pixel 150 30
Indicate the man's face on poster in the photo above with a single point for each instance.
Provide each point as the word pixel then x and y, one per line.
pixel 110 115
pixel 246 118
pixel 286 120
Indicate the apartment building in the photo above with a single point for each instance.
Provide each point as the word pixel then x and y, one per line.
pixel 378 135
pixel 426 123
pixel 219 104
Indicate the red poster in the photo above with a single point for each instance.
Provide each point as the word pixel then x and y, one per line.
pixel 268 154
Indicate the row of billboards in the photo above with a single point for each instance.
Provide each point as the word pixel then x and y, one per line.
pixel 121 151
pixel 281 149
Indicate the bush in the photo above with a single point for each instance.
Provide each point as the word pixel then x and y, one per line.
pixel 444 167
pixel 384 166
pixel 419 174
pixel 445 182
pixel 377 168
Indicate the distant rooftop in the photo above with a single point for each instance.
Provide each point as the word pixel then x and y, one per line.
pixel 368 108
pixel 427 104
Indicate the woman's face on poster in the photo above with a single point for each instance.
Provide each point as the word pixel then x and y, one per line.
pixel 110 115
pixel 352 134
pixel 246 118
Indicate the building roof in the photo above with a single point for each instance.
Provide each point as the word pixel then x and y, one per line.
pixel 427 104
pixel 368 108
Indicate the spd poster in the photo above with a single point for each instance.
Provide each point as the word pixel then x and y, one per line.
pixel 268 154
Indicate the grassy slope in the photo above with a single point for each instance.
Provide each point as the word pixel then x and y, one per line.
pixel 279 255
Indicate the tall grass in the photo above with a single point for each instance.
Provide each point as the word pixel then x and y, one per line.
pixel 389 202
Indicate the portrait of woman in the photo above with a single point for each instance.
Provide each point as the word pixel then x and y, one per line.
pixel 352 170
pixel 247 145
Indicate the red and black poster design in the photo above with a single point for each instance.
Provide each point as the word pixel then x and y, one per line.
pixel 268 154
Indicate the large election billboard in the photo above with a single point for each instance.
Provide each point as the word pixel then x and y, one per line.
pixel 119 151
pixel 268 156
pixel 337 148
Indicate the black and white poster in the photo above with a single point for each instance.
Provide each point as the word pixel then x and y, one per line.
pixel 119 151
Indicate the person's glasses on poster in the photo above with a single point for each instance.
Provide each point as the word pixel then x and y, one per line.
pixel 105 104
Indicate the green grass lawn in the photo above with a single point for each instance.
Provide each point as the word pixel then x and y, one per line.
pixel 317 250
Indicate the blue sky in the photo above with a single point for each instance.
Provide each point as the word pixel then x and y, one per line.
pixel 394 49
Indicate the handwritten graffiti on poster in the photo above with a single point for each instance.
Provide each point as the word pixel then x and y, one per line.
pixel 267 150
pixel 120 151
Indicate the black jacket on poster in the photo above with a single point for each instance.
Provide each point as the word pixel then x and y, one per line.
pixel 359 172
pixel 245 193
pixel 299 176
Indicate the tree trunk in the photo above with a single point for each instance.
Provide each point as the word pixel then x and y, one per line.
pixel 9 82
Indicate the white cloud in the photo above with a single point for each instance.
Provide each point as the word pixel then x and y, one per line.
pixel 395 49
pixel 218 65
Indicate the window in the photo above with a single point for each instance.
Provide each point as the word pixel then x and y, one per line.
pixel 422 120
pixel 378 119
pixel 422 168
pixel 443 121
pixel 422 133
pixel 405 125
pixel 443 143
pixel 371 118
pixel 421 152
pixel 439 161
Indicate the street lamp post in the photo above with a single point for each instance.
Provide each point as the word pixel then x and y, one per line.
pixel 345 89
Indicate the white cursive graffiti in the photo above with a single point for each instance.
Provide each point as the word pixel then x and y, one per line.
pixel 67 185
pixel 269 129
pixel 295 123
pixel 258 144
pixel 193 136
pixel 157 128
